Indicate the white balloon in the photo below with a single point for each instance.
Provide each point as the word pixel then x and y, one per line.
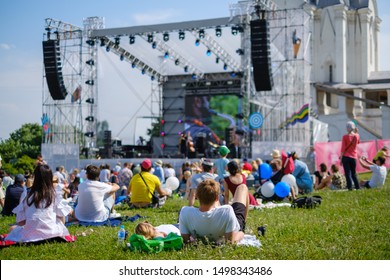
pixel 291 181
pixel 267 189
pixel 172 183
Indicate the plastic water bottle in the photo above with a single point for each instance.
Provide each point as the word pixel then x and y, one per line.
pixel 121 235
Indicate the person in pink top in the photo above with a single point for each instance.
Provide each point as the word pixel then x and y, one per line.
pixel 349 155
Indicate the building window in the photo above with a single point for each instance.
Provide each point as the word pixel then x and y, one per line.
pixel 330 74
pixel 378 96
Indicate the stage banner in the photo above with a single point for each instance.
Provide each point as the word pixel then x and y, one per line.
pixel 329 153
pixel 381 143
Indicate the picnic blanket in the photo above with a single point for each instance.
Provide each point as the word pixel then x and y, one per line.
pixel 6 243
pixel 111 222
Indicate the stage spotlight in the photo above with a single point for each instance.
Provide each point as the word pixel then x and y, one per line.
pixel 162 146
pixel 166 55
pixel 150 38
pixel 133 65
pixel 180 121
pixel 90 118
pixel 89 134
pixel 177 62
pixel 90 42
pixel 154 45
pixel 143 71
pixel 233 74
pixel 108 49
pixel 218 32
pixel 90 101
pixel 166 37
pixel 90 62
pixel 225 67
pixel 208 53
pixel 194 77
pixel 234 30
pixel 122 57
pixel 197 42
pixel 152 78
pixel 162 133
pixel 90 82
pixel 240 51
pixel 131 39
pixel 217 60
pixel 117 41
pixel 102 42
pixel 201 34
pixel 182 35
pixel 186 69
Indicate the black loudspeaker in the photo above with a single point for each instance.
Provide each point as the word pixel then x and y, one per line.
pixel 261 55
pixel 229 135
pixel 107 137
pixel 53 69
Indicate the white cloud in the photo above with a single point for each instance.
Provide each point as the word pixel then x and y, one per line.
pixel 4 46
pixel 153 17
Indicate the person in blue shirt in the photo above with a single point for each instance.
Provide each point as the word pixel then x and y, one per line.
pixel 159 171
pixel 302 175
pixel 221 164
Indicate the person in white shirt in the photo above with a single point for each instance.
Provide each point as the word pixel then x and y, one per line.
pixel 96 199
pixel 212 222
pixel 378 169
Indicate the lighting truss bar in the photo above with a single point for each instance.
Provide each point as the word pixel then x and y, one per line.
pixel 248 7
pixel 174 55
pixel 166 27
pixel 139 64
pixel 219 51
pixel 67 30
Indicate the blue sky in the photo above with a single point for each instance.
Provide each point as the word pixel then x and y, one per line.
pixel 21 66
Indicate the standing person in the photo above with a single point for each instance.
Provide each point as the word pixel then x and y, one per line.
pixel 196 179
pixel 183 145
pixel 13 194
pixel 143 185
pixel 348 155
pixel 38 211
pixel 96 199
pixel 212 222
pixel 221 164
pixel 378 169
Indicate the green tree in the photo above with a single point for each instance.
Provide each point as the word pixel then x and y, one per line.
pixel 101 127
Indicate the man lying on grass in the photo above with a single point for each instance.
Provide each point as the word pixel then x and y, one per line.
pixel 211 221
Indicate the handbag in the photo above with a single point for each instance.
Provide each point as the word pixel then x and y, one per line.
pixel 155 197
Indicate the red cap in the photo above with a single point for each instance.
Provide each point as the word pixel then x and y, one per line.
pixel 247 166
pixel 146 164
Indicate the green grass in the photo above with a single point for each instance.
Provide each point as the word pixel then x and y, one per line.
pixel 347 226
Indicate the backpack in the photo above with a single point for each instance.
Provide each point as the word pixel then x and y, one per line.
pixel 307 202
pixel 156 245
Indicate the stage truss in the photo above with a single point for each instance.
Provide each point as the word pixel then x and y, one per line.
pixel 291 74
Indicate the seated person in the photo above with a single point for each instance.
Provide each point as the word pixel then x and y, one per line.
pixel 321 174
pixel 378 169
pixel 381 153
pixel 336 181
pixel 212 222
pixel 13 194
pixel 277 171
pixel 143 185
pixel 38 211
pixel 146 229
pixel 302 175
pixel 95 199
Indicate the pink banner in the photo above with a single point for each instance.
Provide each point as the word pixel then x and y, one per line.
pixel 329 153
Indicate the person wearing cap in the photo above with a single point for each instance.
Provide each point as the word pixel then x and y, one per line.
pixel 96 199
pixel 159 171
pixel 221 164
pixel 196 179
pixel 276 154
pixel 13 194
pixel 143 185
pixel 348 155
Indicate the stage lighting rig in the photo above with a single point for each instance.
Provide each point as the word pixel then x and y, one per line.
pixel 182 35
pixel 150 38
pixel 218 32
pixel 166 37
pixel 131 39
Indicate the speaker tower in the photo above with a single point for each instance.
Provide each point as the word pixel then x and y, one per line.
pixel 53 69
pixel 261 55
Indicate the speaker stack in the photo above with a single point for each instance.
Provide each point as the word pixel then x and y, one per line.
pixel 107 140
pixel 261 55
pixel 53 69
